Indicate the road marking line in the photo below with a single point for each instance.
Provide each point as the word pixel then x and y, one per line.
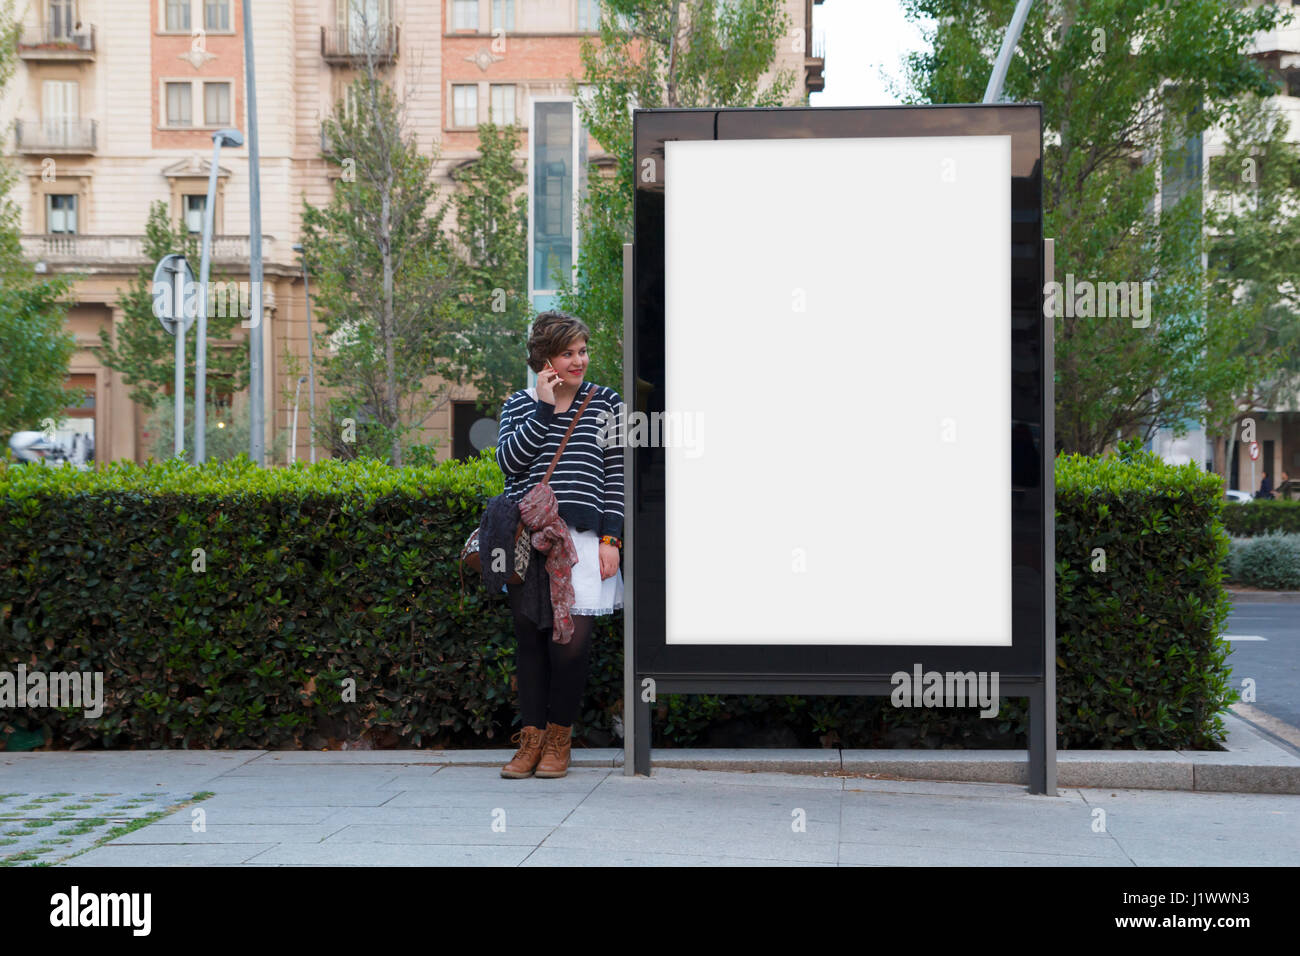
pixel 1244 637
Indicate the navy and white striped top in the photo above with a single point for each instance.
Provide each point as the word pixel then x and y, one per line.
pixel 588 478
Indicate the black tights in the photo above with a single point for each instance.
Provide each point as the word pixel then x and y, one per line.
pixel 551 676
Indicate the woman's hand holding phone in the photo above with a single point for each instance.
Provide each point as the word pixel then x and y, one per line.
pixel 547 379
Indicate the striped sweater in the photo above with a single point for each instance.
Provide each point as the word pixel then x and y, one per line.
pixel 588 479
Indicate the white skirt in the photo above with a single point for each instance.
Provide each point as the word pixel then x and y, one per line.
pixel 591 593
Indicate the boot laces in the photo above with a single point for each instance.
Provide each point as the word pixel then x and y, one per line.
pixel 519 738
pixel 551 745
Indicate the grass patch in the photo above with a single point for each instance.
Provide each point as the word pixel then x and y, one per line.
pixel 85 826
pixel 144 821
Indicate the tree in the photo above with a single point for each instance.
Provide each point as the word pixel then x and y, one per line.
pixel 145 353
pixel 1124 85
pixel 1254 223
pixel 385 277
pixel 35 343
pixel 656 53
pixel 492 236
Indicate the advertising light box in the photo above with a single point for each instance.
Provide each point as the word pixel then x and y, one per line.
pixel 837 321
pixel 837 371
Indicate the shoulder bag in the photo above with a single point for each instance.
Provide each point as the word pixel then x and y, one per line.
pixel 469 554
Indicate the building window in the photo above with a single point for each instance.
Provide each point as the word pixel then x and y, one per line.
pixel 588 14
pixel 60 104
pixel 503 14
pixel 178 15
pixel 194 212
pixel 464 105
pixel 366 22
pixel 61 214
pixel 464 14
pixel 502 112
pixel 216 104
pixel 216 15
pixel 63 19
pixel 178 104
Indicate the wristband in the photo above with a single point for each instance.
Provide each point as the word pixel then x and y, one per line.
pixel 610 539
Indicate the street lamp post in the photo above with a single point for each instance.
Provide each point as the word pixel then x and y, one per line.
pixel 311 364
pixel 293 446
pixel 257 399
pixel 222 137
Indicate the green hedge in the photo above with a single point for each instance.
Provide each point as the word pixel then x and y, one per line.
pixel 1260 516
pixel 320 574
pixel 1270 561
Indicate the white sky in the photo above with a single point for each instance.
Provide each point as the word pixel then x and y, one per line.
pixel 863 37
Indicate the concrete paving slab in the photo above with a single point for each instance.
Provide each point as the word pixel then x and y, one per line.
pixel 1178 850
pixel 530 814
pixel 482 834
pixel 222 814
pixel 440 799
pixel 869 854
pixel 770 843
pixel 573 856
pixel 283 797
pixel 102 770
pixel 194 854
pixel 184 833
pixel 388 854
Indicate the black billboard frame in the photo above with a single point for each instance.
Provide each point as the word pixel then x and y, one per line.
pixel 1027 667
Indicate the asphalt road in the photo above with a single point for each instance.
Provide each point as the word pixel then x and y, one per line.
pixel 1266 648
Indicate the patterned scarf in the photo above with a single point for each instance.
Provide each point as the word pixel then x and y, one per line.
pixel 550 535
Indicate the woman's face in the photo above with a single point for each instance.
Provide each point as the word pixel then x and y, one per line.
pixel 572 362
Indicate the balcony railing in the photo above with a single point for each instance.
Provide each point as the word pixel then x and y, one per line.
pixel 56 135
pixel 352 45
pixel 58 43
pixel 815 63
pixel 62 250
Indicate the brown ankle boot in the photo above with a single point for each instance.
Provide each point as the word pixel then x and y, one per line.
pixel 555 751
pixel 526 757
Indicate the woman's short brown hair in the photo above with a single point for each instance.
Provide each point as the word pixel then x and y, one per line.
pixel 553 332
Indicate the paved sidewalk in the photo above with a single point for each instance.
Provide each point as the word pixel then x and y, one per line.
pixel 415 807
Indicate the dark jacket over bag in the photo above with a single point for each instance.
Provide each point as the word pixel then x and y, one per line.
pixel 497 530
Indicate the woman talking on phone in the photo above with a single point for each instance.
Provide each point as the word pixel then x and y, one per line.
pixel 588 486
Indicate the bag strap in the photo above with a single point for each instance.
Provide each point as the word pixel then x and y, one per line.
pixel 556 460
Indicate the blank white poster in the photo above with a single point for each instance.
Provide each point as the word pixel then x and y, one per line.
pixel 838 416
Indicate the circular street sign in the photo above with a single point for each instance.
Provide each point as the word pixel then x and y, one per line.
pixel 164 292
pixel 1254 450
pixel 483 433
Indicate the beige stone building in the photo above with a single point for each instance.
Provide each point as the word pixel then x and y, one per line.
pixel 115 103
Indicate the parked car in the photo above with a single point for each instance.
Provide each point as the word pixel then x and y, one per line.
pixel 37 448
pixel 1241 497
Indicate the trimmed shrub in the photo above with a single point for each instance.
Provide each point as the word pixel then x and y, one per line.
pixel 1271 561
pixel 234 606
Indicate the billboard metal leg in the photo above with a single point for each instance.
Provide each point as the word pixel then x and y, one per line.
pixel 641 741
pixel 1037 740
